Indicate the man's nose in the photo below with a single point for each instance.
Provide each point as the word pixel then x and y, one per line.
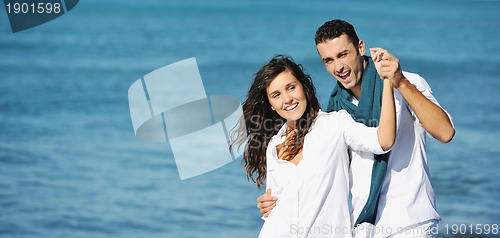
pixel 339 68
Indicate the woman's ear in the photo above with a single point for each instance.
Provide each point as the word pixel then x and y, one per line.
pixel 272 108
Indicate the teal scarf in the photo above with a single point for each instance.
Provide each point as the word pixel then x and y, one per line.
pixel 368 113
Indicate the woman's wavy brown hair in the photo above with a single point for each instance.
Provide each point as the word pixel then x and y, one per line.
pixel 260 123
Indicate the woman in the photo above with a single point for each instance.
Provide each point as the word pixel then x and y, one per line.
pixel 302 151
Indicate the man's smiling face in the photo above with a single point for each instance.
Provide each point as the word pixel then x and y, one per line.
pixel 343 60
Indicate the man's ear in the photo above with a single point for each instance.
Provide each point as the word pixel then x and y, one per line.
pixel 272 108
pixel 361 47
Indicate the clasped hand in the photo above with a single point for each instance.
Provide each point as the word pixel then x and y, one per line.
pixel 387 66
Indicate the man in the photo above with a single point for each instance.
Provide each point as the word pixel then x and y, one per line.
pixel 394 193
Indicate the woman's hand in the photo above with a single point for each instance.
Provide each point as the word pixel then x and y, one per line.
pixel 387 66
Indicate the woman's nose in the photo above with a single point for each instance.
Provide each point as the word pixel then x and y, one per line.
pixel 287 98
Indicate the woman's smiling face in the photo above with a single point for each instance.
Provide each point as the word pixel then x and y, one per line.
pixel 286 96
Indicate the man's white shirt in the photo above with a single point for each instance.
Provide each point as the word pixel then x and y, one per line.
pixel 407 197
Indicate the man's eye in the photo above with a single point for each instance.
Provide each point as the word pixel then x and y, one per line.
pixel 327 61
pixel 342 56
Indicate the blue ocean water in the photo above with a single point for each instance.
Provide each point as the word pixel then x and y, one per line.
pixel 70 165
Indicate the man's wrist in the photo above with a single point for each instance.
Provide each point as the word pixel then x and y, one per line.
pixel 401 84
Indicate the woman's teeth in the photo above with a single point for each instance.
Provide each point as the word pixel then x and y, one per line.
pixel 290 108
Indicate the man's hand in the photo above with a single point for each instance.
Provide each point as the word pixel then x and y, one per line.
pixel 387 66
pixel 266 203
pixel 432 117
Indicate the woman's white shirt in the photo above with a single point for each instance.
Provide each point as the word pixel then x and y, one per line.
pixel 313 195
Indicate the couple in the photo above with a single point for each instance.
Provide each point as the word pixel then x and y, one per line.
pixel 303 152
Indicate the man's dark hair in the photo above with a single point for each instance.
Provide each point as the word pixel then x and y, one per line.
pixel 335 28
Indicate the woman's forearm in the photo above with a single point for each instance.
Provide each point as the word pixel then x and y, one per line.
pixel 387 126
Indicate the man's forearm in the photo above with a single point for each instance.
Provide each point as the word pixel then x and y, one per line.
pixel 434 120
